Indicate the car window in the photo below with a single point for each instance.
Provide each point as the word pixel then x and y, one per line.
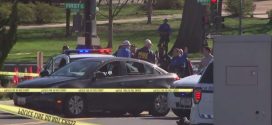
pixel 207 76
pixel 76 69
pixel 149 69
pixel 49 65
pixel 111 69
pixel 135 68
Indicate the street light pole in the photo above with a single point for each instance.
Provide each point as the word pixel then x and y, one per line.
pixel 240 18
pixel 88 24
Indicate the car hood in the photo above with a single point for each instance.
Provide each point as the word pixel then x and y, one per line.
pixel 44 82
pixel 189 81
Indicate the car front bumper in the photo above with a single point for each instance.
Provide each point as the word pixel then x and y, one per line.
pixel 38 101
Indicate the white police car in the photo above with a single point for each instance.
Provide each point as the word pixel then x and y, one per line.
pixel 202 108
pixel 60 60
pixel 181 103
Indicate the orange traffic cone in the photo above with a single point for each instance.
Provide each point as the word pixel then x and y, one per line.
pixel 30 72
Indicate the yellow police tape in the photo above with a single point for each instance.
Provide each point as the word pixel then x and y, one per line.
pixel 24 112
pixel 19 74
pixel 95 90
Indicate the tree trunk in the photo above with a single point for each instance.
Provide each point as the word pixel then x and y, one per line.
pixel 110 25
pixel 68 13
pixel 191 32
pixel 149 11
pixel 8 38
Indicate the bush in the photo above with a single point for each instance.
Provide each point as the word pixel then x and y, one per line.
pixel 233 6
pixel 26 13
pixel 5 10
pixel 269 13
pixel 168 4
pixel 45 13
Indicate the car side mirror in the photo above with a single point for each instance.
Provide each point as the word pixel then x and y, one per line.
pixel 44 73
pixel 99 75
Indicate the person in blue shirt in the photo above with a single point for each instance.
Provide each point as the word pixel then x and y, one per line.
pixel 165 32
pixel 124 50
pixel 179 61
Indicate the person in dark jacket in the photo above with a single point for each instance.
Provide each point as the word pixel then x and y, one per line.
pixel 165 32
pixel 180 63
pixel 146 53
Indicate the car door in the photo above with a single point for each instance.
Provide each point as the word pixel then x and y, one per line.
pixel 113 78
pixel 135 72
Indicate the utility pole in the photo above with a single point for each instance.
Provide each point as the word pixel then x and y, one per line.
pixel 90 25
pixel 240 18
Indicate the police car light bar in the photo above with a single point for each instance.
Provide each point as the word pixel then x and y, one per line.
pixel 86 51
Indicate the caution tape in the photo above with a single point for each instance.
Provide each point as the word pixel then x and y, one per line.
pixel 94 90
pixel 28 113
pixel 19 74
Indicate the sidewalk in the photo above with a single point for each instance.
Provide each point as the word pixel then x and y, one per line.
pixel 140 19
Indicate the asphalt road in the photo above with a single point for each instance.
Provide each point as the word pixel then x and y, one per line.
pixel 143 119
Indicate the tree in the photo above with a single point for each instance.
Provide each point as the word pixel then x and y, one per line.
pixel 191 32
pixel 114 10
pixel 8 36
pixel 149 11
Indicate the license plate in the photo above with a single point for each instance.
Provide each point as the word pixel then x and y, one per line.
pixel 21 101
pixel 185 101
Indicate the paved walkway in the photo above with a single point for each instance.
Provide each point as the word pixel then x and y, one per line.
pixel 260 12
pixel 140 19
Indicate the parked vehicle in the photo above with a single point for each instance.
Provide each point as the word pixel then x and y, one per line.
pixel 202 109
pixel 101 72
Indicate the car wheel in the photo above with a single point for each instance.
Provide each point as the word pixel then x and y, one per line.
pixel 182 113
pixel 75 106
pixel 135 112
pixel 159 106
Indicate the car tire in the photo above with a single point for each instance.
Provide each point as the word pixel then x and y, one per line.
pixel 159 105
pixel 75 106
pixel 135 112
pixel 182 113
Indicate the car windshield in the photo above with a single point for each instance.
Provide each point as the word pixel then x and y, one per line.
pixel 76 69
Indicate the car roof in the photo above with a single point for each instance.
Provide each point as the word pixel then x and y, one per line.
pixel 113 58
pixel 89 55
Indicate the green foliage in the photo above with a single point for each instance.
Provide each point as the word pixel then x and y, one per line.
pixel 5 10
pixel 32 13
pixel 45 13
pixel 233 6
pixel 269 13
pixel 26 13
pixel 169 4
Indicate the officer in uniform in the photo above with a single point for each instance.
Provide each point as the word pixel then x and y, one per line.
pixel 146 53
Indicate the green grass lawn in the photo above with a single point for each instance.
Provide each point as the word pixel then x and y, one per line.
pixel 129 11
pixel 50 40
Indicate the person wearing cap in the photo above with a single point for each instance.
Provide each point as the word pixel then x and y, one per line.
pixel 124 50
pixel 146 53
pixel 165 32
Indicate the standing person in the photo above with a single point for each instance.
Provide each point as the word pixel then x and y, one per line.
pixel 207 53
pixel 165 32
pixel 133 50
pixel 65 47
pixel 124 50
pixel 179 62
pixel 146 53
